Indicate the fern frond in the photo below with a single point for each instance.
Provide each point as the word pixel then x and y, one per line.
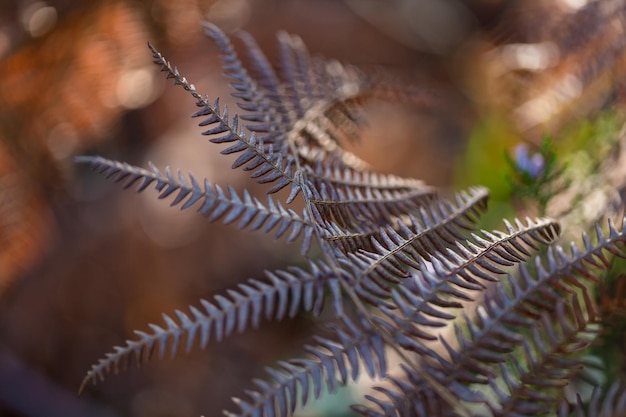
pixel 300 107
pixel 389 242
pixel 316 93
pixel 344 177
pixel 484 256
pixel 493 338
pixel 269 115
pixel 546 362
pixel 346 224
pixel 282 295
pixel 321 123
pixel 342 240
pixel 294 72
pixel 494 333
pixel 317 81
pixel 563 266
pixel 491 335
pixel 216 203
pixel 350 212
pixel 425 304
pixel 403 399
pixel 578 267
pixel 330 362
pixel 348 205
pixel 263 72
pixel 436 228
pixel 432 229
pixel 267 165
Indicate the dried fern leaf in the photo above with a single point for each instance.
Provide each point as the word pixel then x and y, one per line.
pixel 344 119
pixel 216 204
pixel 494 332
pixel 269 115
pixel 331 362
pixel 343 241
pixel 574 270
pixel 268 166
pixel 403 400
pixel 293 65
pixel 329 98
pixel 492 338
pixel 298 108
pixel 389 242
pixel 310 80
pixel 547 361
pixel 435 229
pixel 426 304
pixel 349 205
pixel 350 220
pixel 432 228
pixel 334 175
pixel 317 138
pixel 283 294
pixel 493 335
pixel 485 255
pixel 263 71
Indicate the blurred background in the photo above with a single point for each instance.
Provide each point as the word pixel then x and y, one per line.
pixel 83 263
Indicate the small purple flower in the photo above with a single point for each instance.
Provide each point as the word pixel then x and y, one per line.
pixel 533 165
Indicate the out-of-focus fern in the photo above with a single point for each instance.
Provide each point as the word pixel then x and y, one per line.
pixel 400 265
